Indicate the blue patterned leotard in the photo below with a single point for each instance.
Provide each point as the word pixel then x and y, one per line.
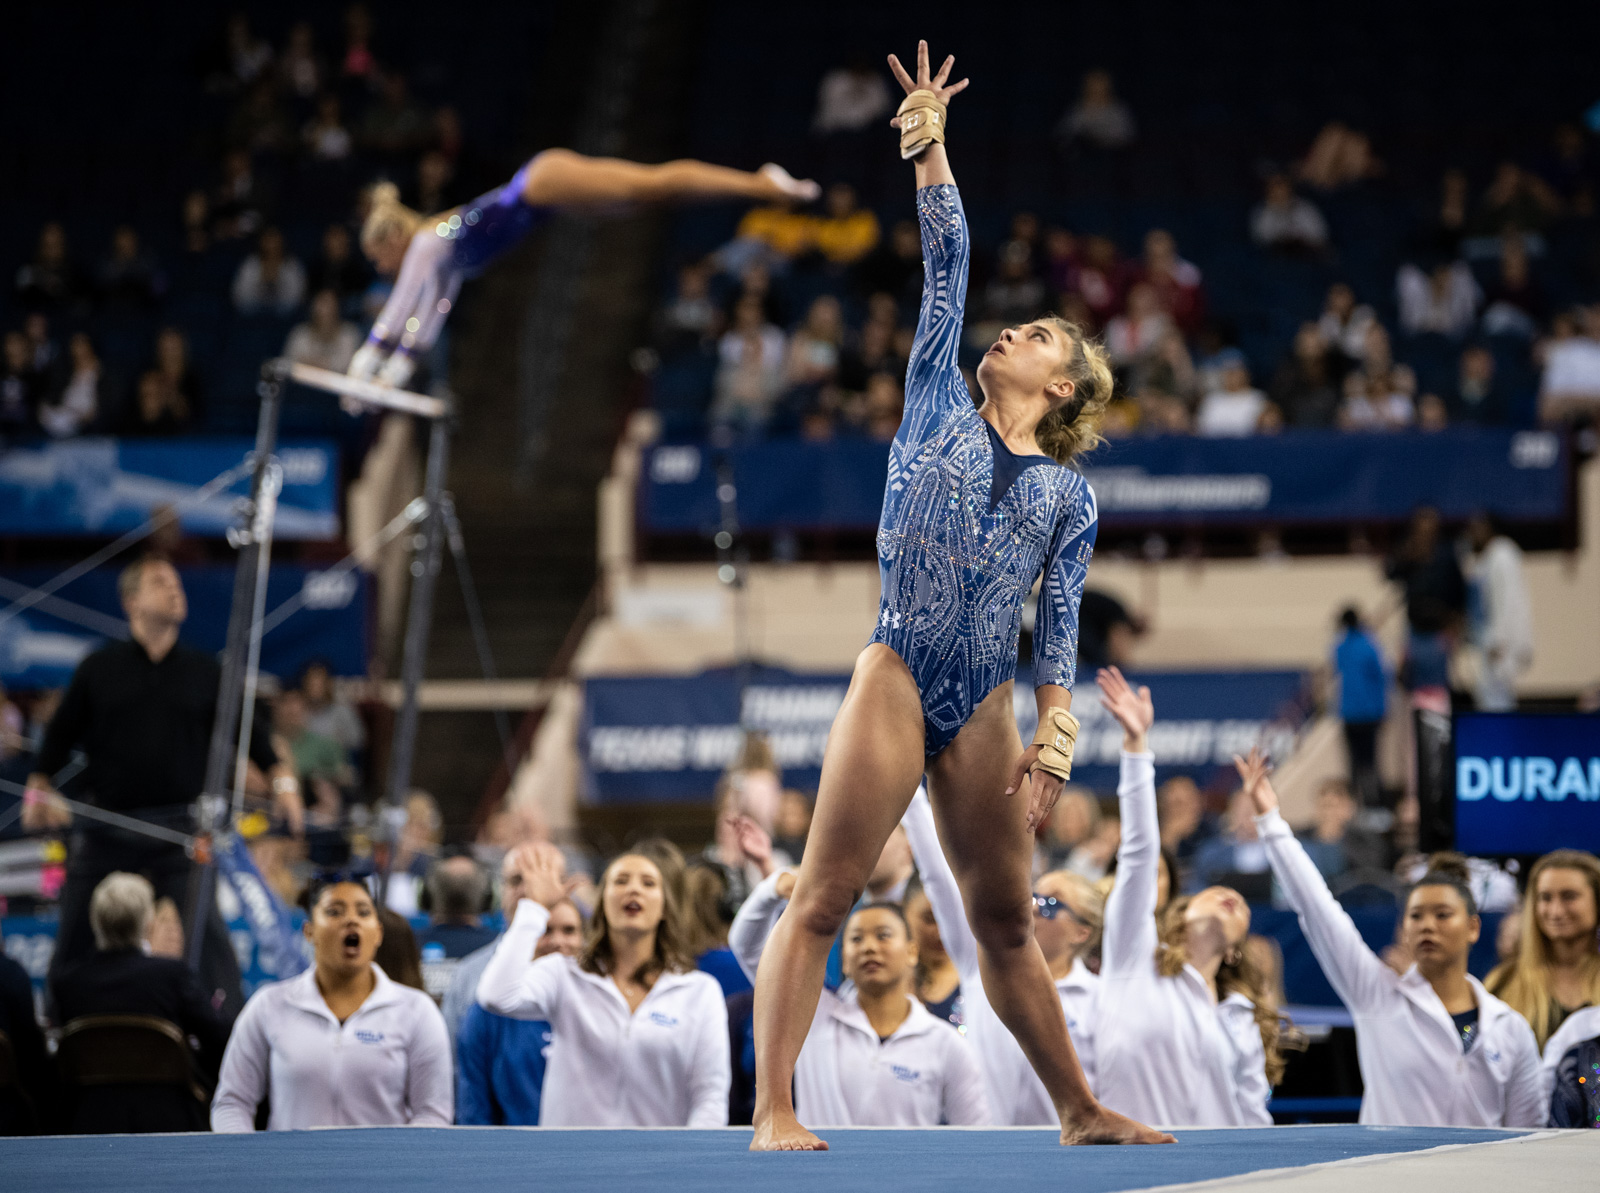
pixel 446 251
pixel 967 526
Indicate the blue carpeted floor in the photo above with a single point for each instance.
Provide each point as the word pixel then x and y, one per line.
pixel 402 1160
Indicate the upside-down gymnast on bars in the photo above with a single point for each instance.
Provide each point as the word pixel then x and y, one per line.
pixel 978 505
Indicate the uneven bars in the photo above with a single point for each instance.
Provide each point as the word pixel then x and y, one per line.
pixel 366 391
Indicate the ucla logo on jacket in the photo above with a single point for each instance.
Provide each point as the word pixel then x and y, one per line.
pixel 662 1020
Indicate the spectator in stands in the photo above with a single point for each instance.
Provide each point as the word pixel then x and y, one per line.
pixel 21 388
pixel 28 1101
pixel 300 68
pixel 690 316
pixel 845 232
pixel 1134 338
pixel 435 175
pixel 769 236
pixel 1175 281
pixel 1061 257
pixel 792 824
pixel 358 60
pixel 336 267
pixel 1304 387
pixel 1432 414
pixel 324 340
pixel 269 280
pixel 1444 300
pixel 398 954
pixel 1102 279
pixel 749 369
pixel 1093 858
pixel 1555 969
pixel 894 267
pixel 500 1061
pixel 1326 840
pixel 707 913
pixel 1478 397
pixel 1379 397
pixel 46 353
pixel 157 410
pixel 325 137
pixel 328 713
pixel 873 1029
pixel 1514 304
pixel 1363 700
pixel 129 279
pixel 83 397
pixel 120 978
pixel 1501 623
pixel 1107 631
pixel 1426 567
pixel 1235 408
pixel 851 98
pixel 1186 824
pixel 1073 824
pixel 631 996
pixel 240 198
pixel 1339 156
pixel 419 845
pixel 177 373
pixel 316 758
pixel 1569 389
pixel 51 281
pixel 1288 223
pixel 813 357
pixel 344 1005
pixel 458 891
pixel 1517 200
pixel 1014 295
pixel 884 406
pixel 1235 854
pixel 1347 326
pixel 260 124
pixel 1099 118
pixel 245 56
pixel 1569 171
pixel 395 125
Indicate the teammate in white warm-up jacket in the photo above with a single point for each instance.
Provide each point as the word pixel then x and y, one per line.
pixel 1436 1048
pixel 640 1036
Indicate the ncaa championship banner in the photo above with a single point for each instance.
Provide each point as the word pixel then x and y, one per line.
pixel 668 738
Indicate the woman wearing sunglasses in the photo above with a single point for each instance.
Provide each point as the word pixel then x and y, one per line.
pixel 1068 914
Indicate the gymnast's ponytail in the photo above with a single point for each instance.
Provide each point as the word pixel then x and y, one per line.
pixel 386 215
pixel 1071 430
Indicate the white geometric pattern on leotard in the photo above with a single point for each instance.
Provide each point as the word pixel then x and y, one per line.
pixel 954 575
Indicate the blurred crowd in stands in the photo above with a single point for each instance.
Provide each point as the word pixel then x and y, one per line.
pixel 800 324
pixel 161 329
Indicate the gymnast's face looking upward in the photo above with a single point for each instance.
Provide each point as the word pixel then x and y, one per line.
pixel 1026 361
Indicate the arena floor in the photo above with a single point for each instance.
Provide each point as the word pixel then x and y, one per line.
pixel 400 1160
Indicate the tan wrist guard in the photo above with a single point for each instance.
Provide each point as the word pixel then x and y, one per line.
pixel 922 120
pixel 1057 734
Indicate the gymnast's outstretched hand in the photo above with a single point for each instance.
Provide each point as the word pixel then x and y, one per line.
pixel 938 84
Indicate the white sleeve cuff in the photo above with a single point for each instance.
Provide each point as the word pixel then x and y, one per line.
pixel 1272 824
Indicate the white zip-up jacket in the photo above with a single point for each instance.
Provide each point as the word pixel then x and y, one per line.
pixel 387 1065
pixel 663 1065
pixel 922 1075
pixel 1579 1026
pixel 1016 1095
pixel 1165 1051
pixel 1412 1062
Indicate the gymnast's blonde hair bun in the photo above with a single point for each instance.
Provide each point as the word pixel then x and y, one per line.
pixel 1071 430
pixel 386 215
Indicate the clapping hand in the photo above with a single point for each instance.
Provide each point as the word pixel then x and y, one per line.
pixel 1253 772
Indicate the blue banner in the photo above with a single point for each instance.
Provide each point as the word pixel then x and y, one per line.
pixel 1526 783
pixel 665 738
pixel 1298 476
pixel 278 948
pixel 104 487
pixel 41 646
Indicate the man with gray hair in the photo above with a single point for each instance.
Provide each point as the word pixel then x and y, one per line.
pixel 456 892
pixel 120 978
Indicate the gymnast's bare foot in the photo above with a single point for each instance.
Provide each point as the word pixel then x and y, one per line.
pixel 783 1133
pixel 787 186
pixel 1107 1126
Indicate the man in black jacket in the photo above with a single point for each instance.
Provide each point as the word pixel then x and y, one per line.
pixel 142 712
pixel 120 979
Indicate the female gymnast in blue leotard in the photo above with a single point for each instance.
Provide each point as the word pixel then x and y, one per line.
pixel 430 256
pixel 979 505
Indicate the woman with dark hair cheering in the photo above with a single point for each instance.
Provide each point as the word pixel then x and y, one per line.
pixel 1436 1048
pixel 640 1036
